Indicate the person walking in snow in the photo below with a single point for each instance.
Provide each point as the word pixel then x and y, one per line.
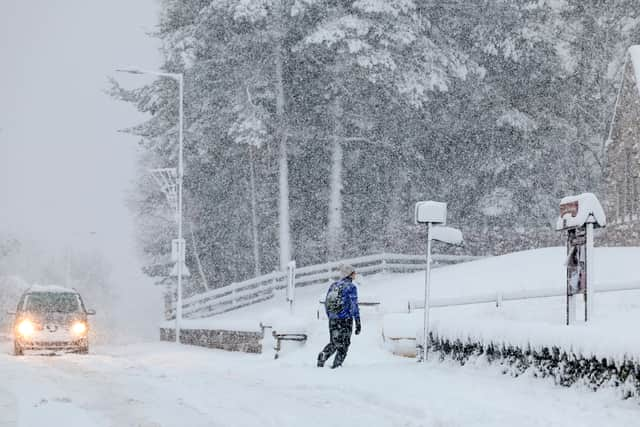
pixel 341 305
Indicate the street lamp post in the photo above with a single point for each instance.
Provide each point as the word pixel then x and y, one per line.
pixel 179 77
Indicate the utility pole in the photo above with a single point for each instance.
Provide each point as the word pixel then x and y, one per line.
pixel 179 77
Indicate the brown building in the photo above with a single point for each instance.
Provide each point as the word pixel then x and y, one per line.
pixel 622 174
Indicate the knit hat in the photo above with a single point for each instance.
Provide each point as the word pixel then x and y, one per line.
pixel 346 270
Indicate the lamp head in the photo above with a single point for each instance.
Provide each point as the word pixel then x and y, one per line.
pixel 130 71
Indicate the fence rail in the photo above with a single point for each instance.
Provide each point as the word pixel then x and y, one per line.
pixel 499 297
pixel 262 288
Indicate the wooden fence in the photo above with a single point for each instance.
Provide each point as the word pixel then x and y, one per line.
pixel 262 288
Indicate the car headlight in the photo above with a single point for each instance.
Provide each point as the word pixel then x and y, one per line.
pixel 79 328
pixel 26 328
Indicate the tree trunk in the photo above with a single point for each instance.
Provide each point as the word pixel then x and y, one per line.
pixel 334 232
pixel 283 209
pixel 254 216
pixel 396 217
pixel 203 277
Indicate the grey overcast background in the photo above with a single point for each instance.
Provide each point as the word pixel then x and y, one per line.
pixel 64 168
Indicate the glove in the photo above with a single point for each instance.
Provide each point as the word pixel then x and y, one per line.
pixel 358 327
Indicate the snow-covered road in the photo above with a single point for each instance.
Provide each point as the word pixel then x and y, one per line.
pixel 161 384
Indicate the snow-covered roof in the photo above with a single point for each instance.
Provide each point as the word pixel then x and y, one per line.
pixel 576 210
pixel 634 55
pixel 51 288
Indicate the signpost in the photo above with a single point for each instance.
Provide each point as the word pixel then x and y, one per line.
pixel 291 284
pixel 579 216
pixel 432 213
pixel 178 257
pixel 170 182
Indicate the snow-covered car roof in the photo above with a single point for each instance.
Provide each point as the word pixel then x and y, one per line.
pixel 50 288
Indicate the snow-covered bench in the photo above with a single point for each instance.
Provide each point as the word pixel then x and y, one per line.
pixel 285 336
pixel 284 327
pixel 399 333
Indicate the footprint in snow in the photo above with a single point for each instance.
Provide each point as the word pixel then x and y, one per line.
pixel 44 401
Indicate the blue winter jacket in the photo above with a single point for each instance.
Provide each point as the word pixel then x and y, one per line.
pixel 349 300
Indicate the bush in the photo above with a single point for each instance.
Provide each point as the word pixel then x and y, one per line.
pixel 566 368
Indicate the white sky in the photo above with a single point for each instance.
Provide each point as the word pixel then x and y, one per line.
pixel 64 169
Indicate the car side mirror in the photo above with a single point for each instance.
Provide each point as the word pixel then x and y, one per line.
pixel 11 313
pixel 91 312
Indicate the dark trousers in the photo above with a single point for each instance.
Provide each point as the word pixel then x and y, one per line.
pixel 340 339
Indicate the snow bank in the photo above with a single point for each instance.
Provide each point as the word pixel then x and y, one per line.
pixel 611 338
pixel 282 321
pixel 402 325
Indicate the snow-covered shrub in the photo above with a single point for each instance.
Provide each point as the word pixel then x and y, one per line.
pixel 566 368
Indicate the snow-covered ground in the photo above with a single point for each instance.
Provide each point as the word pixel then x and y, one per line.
pixel 163 384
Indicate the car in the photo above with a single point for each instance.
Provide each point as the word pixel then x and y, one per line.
pixel 51 318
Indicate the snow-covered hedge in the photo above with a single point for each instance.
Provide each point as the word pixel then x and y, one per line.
pixel 565 367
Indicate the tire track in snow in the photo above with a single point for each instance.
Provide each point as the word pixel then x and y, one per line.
pixel 354 405
pixel 8 407
pixel 117 396
pixel 126 393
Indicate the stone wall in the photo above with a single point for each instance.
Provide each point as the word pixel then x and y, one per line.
pixel 248 342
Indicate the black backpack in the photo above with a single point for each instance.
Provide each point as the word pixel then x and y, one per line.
pixel 334 300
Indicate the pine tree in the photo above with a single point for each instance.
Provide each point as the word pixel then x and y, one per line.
pixel 368 53
pixel 321 122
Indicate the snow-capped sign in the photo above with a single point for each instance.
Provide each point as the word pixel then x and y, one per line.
pixel 430 211
pixel 450 235
pixel 185 270
pixel 175 250
pixel 576 211
pixel 569 208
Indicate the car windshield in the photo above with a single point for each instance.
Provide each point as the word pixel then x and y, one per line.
pixel 58 302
